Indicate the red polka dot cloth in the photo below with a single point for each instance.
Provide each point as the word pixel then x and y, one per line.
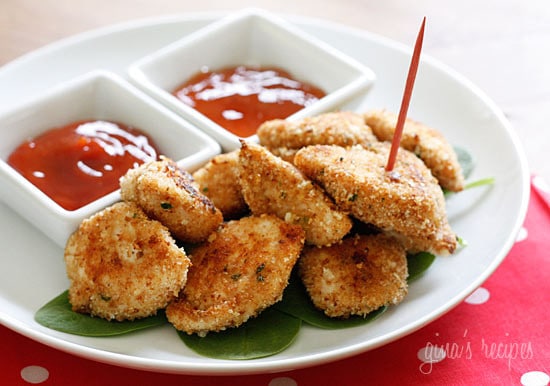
pixel 466 346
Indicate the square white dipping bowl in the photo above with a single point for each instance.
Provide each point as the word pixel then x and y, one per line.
pixel 250 38
pixel 97 95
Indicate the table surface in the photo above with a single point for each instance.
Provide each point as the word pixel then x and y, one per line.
pixel 502 46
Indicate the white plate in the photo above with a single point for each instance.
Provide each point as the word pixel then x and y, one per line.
pixel 32 270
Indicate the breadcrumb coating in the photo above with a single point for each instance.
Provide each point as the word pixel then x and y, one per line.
pixel 427 143
pixel 242 269
pixel 218 180
pixel 168 194
pixel 301 187
pixel 122 265
pixel 284 138
pixel 271 185
pixel 355 277
pixel 406 202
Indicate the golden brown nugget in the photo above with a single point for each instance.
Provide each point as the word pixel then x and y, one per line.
pixel 355 277
pixel 427 143
pixel 284 138
pixel 242 269
pixel 406 202
pixel 123 265
pixel 168 194
pixel 271 185
pixel 218 180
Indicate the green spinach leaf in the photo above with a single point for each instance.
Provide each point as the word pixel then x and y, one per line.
pixel 58 315
pixel 269 333
pixel 418 263
pixel 296 302
pixel 465 160
pixel 467 164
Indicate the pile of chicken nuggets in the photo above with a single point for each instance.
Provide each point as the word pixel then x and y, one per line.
pixel 217 247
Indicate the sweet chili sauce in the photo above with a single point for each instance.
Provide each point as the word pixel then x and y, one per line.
pixel 81 162
pixel 241 98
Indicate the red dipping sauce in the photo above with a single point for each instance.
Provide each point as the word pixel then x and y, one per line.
pixel 241 98
pixel 79 163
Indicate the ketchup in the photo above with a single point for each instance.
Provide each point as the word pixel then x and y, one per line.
pixel 83 161
pixel 241 98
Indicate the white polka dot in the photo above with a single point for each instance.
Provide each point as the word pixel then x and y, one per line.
pixel 431 354
pixel 283 381
pixel 34 374
pixel 541 184
pixel 428 356
pixel 479 296
pixel 535 378
pixel 522 234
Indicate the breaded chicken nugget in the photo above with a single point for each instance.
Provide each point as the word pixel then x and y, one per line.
pixel 407 201
pixel 218 180
pixel 271 185
pixel 167 193
pixel 427 143
pixel 122 265
pixel 284 138
pixel 242 269
pixel 355 277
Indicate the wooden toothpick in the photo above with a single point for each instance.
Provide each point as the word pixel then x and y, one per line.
pixel 406 98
